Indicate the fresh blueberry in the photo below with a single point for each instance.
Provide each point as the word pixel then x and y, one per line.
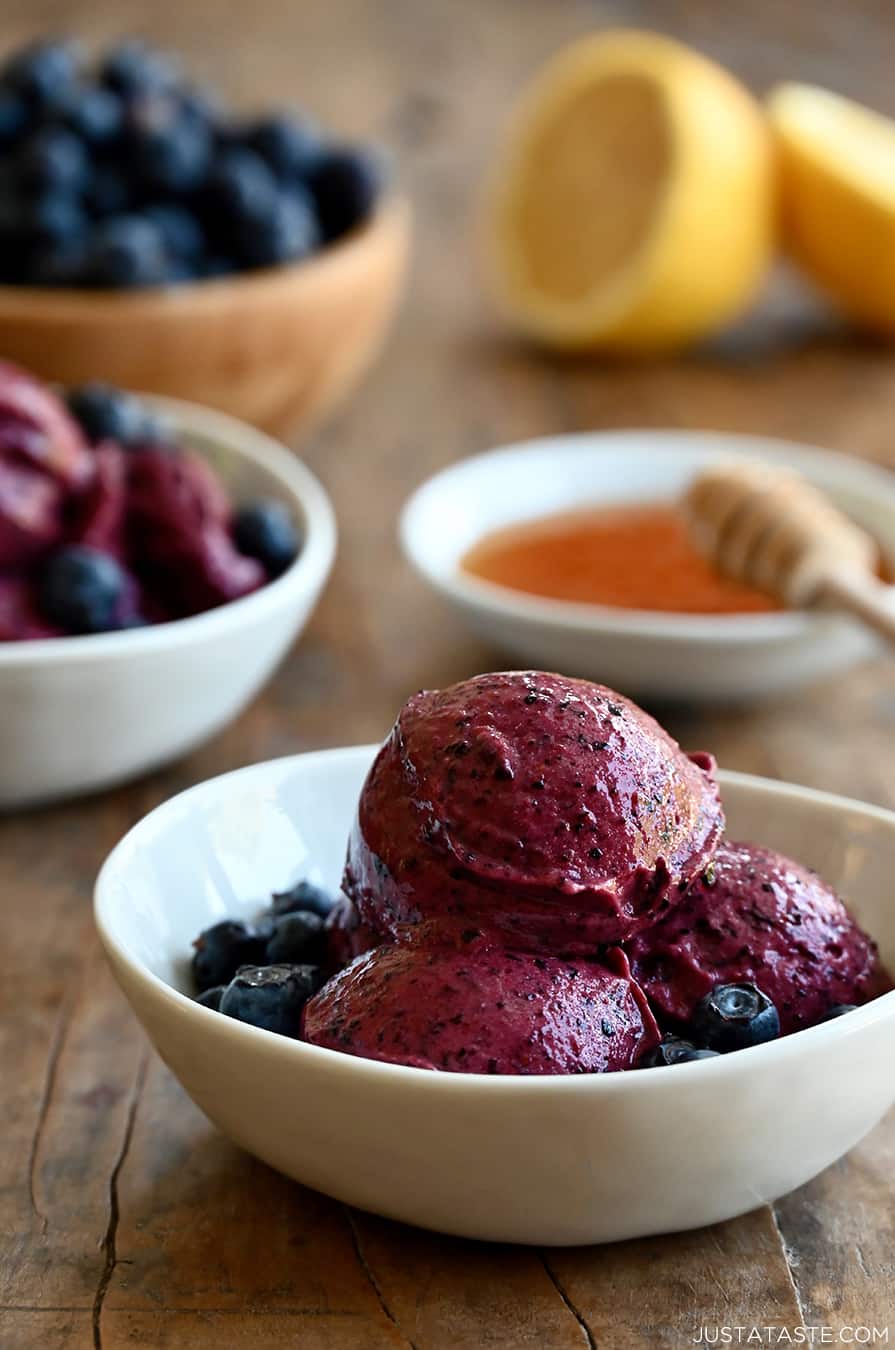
pixel 53 218
pixel 200 105
pixel 303 896
pixel 127 251
pixel 266 531
pixel 61 263
pixel 734 1016
pixel 96 115
pixel 13 117
pixel 179 272
pixel 156 432
pixel 132 69
pixel 839 1010
pixel 15 267
pixel 674 1050
pixel 171 152
pixel 45 74
pixel 53 159
pixel 10 206
pixel 290 145
pixel 242 187
pixel 345 184
pixel 211 998
pixel 297 938
pixel 290 232
pixel 179 228
pixel 43 218
pixel 13 250
pixel 106 413
pixel 271 997
pixel 82 590
pixel 214 265
pixel 109 191
pixel 221 949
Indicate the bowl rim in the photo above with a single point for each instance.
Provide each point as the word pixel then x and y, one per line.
pixel 381 1071
pixel 592 619
pixel 65 303
pixel 306 574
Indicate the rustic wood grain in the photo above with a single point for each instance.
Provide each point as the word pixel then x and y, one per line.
pixel 728 1275
pixel 127 1220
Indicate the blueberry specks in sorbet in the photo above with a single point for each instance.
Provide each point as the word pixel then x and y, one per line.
pixel 531 826
pixel 757 917
pixel 430 1004
pixel 536 883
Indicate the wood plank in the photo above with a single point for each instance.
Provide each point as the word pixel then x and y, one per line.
pixel 840 1229
pixel 113 1190
pixel 202 1226
pixel 661 1291
pixel 45 1329
pixel 174 1329
pixel 445 1292
pixel 69 1063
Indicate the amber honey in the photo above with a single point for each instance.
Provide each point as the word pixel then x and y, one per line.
pixel 629 557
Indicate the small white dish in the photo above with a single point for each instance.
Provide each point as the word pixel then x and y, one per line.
pixel 660 655
pixel 553 1160
pixel 82 713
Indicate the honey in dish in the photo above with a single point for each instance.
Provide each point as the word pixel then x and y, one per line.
pixel 630 557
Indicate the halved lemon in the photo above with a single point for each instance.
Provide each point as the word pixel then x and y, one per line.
pixel 837 186
pixel 632 206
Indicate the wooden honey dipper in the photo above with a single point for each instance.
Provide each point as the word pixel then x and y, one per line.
pixel 768 527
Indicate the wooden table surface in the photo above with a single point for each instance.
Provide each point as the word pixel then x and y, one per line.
pixel 127 1220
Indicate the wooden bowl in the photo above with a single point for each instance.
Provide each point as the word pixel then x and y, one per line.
pixel 277 348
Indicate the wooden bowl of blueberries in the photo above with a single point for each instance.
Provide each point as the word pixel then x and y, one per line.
pixel 151 239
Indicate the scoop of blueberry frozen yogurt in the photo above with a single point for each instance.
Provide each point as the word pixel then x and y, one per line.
pixel 537 883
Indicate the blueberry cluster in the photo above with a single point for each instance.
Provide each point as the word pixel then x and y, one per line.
pixel 729 1017
pixel 127 175
pixel 264 973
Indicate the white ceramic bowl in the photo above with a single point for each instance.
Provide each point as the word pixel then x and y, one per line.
pixel 541 1160
pixel 81 713
pixel 641 652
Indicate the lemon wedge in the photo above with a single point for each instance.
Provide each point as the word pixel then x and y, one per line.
pixel 632 205
pixel 837 185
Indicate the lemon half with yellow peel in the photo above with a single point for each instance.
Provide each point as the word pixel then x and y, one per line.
pixel 837 185
pixel 632 206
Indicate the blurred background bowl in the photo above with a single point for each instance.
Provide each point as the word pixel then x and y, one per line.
pixel 652 653
pixel 277 348
pixel 81 713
